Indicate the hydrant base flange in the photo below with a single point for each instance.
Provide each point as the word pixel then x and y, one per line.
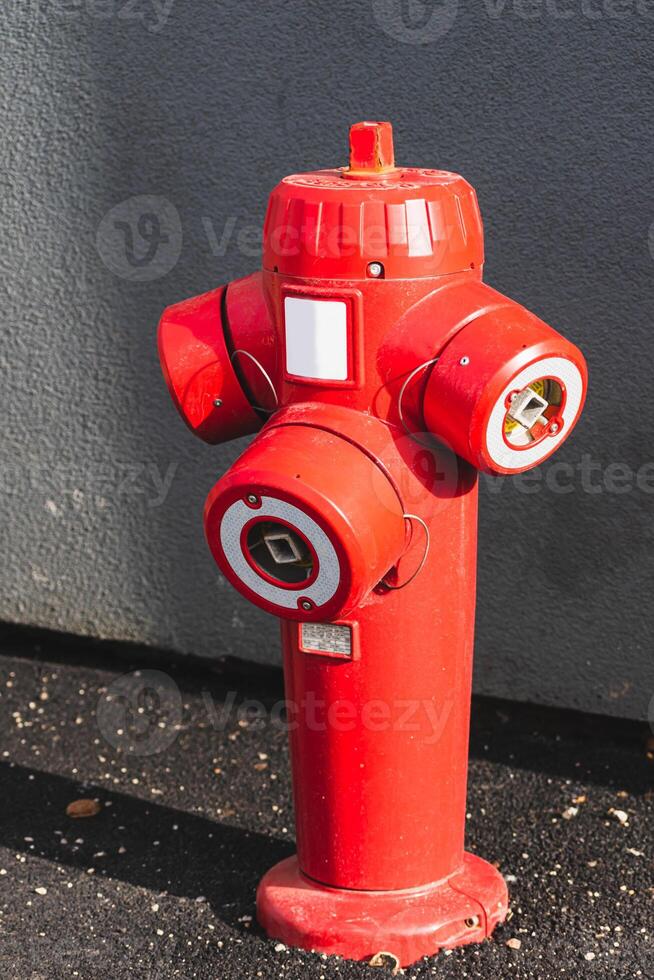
pixel 356 925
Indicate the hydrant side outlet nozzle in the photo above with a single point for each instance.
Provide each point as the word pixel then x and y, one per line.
pixel 381 374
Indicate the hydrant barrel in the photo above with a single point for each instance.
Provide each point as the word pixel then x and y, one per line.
pixel 379 737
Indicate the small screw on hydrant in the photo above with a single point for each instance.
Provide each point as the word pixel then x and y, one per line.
pixel 352 517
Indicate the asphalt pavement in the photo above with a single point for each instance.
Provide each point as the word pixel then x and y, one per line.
pixel 190 804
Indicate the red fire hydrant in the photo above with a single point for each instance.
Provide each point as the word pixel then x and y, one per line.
pixel 384 374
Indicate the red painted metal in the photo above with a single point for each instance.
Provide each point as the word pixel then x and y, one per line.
pixel 337 484
pixel 199 372
pixel 385 263
pixel 333 223
pixel 249 328
pixel 371 149
pixel 410 923
pixel 478 364
pixel 380 743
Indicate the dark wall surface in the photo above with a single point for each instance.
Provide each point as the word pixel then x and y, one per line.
pixel 194 111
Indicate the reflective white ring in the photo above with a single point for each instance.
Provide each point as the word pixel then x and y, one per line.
pixel 329 572
pixel 569 374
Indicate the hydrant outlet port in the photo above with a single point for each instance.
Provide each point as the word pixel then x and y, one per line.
pixel 533 412
pixel 280 552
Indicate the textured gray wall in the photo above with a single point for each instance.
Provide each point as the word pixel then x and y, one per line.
pixel 545 107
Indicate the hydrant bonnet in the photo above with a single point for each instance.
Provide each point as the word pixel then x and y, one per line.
pixel 413 221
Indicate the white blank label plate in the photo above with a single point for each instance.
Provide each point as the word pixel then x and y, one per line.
pixel 316 338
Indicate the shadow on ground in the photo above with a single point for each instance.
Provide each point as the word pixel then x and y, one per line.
pixel 195 856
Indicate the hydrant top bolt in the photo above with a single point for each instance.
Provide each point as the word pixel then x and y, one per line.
pixel 375 270
pixel 306 605
pixel 464 360
pixel 252 498
pixel 217 402
pixel 554 428
pixel 371 150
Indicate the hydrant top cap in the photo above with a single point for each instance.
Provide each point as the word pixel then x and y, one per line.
pixel 415 221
